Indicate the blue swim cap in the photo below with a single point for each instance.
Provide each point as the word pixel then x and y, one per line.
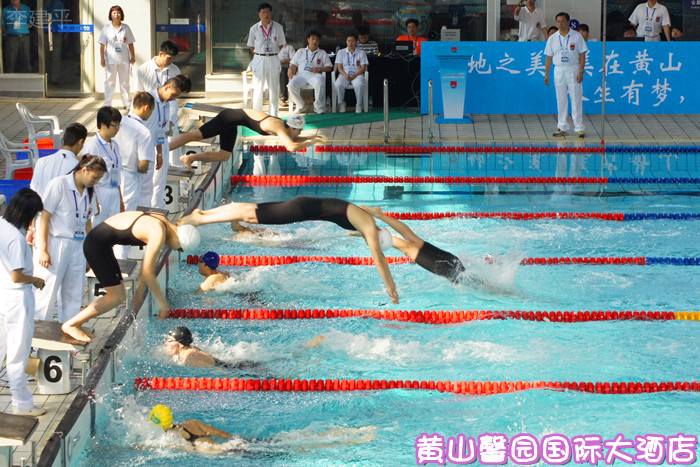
pixel 211 259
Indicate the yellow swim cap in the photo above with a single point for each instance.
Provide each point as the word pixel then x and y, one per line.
pixel 162 416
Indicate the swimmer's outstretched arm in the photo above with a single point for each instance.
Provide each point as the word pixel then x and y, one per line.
pixel 246 212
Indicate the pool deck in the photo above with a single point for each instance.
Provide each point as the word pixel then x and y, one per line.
pixel 676 129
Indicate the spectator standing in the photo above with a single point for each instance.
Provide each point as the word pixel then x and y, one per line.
pixel 265 39
pixel 16 281
pixel 16 19
pixel 567 50
pixel 117 55
pixel 108 189
pixel 650 19
pixel 285 56
pixel 412 30
pixel 531 21
pixel 307 67
pixel 352 64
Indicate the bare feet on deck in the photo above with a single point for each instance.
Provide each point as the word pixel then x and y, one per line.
pixel 188 163
pixel 77 333
pixel 194 218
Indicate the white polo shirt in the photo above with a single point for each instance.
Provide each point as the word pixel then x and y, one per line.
pixel 351 62
pixel 52 166
pixel 134 141
pixel 158 123
pixel 650 21
pixel 116 42
pixel 530 24
pixel 151 76
pixel 97 146
pixel 287 52
pixel 69 209
pixel 266 40
pixel 305 59
pixel 565 50
pixel 14 254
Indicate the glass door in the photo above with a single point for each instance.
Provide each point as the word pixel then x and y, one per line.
pixel 183 23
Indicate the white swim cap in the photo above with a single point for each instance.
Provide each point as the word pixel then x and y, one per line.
pixel 385 239
pixel 296 121
pixel 189 237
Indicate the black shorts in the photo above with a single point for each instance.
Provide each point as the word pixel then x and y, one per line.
pixel 100 256
pixel 439 262
pixel 225 124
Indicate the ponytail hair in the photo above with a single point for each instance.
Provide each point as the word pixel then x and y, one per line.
pixel 92 164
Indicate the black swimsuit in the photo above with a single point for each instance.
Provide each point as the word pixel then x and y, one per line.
pixel 226 123
pixel 100 255
pixel 192 437
pixel 305 208
pixel 439 262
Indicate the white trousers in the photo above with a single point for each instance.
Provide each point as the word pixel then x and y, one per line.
pixel 109 204
pixel 160 179
pixel 111 72
pixel 565 84
pixel 65 276
pixel 315 80
pixel 266 70
pixel 131 189
pixel 146 192
pixel 358 85
pixel 16 331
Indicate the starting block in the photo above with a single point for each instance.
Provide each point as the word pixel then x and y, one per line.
pixel 173 190
pixel 95 289
pixel 15 430
pixel 55 348
pixel 136 252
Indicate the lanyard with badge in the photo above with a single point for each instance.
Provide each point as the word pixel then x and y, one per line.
pixel 266 35
pixel 161 126
pixel 81 218
pixel 114 172
pixel 650 20
pixel 563 49
pixel 351 61
pixel 309 63
pixel 117 40
pixel 17 24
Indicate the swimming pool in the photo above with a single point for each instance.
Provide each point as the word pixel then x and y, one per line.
pixel 317 428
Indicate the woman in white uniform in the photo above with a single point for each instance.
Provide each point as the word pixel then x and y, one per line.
pixel 69 204
pixel 16 281
pixel 117 55
pixel 104 145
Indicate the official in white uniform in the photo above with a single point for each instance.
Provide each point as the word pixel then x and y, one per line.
pixel 17 310
pixel 117 55
pixel 530 22
pixel 69 204
pixel 567 50
pixel 160 125
pixel 108 190
pixel 265 39
pixel 61 162
pixel 650 19
pixel 352 63
pixel 152 75
pixel 307 67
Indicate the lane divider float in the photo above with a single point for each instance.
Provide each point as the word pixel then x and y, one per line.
pixel 405 149
pixel 431 316
pixel 255 260
pixel 606 216
pixel 458 387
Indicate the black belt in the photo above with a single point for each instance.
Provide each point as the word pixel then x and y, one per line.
pixel 265 55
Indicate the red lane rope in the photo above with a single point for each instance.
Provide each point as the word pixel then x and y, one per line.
pixel 458 387
pixel 320 179
pixel 432 317
pixel 254 260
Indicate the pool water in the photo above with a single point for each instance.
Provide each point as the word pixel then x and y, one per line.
pixel 381 427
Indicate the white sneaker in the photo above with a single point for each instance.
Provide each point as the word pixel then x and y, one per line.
pixel 358 109
pixel 33 411
pixel 341 108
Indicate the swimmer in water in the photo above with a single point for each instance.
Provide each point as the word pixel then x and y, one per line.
pixel 178 344
pixel 199 435
pixel 208 267
pixel 307 208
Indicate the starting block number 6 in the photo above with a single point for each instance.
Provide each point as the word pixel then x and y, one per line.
pixel 52 369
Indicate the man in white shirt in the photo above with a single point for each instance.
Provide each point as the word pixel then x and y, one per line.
pixel 531 22
pixel 352 64
pixel 265 39
pixel 567 50
pixel 649 19
pixel 152 75
pixel 160 125
pixel 307 67
pixel 61 162
pixel 108 189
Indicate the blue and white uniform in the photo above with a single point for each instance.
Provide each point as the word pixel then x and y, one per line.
pixel 117 60
pixel 352 62
pixel 305 60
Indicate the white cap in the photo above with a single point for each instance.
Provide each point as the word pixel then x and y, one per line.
pixel 385 239
pixel 189 237
pixel 296 121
